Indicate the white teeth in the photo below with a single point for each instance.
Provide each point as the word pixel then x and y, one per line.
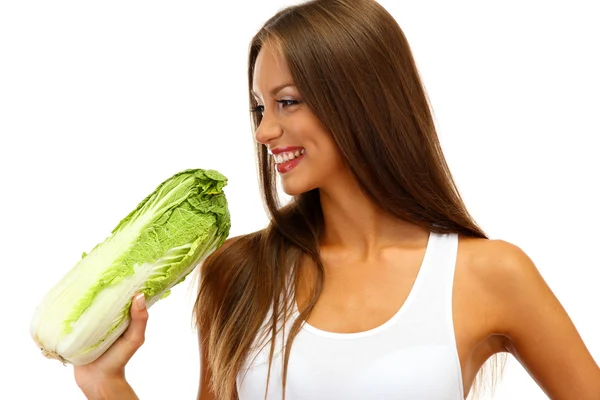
pixel 288 156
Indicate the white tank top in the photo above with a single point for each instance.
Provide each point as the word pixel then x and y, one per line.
pixel 411 356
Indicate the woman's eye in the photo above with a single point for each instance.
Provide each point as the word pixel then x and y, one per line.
pixel 286 103
pixel 258 109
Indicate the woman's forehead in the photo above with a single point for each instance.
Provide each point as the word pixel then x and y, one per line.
pixel 270 71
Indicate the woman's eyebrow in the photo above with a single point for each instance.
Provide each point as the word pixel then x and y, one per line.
pixel 275 90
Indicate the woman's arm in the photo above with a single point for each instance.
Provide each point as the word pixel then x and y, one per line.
pixel 539 332
pixel 116 389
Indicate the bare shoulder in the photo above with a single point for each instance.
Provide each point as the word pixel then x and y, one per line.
pixel 519 305
pixel 478 324
pixel 504 275
pixel 487 257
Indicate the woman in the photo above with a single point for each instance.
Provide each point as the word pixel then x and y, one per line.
pixel 374 282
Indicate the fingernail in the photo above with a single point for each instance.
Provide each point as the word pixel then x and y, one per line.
pixel 141 301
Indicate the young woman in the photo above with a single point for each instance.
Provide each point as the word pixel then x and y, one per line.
pixel 374 282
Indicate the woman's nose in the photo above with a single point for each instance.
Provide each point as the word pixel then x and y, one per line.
pixel 268 129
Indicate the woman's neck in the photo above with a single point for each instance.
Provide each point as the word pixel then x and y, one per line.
pixel 354 222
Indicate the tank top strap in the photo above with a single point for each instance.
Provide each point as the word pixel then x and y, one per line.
pixel 432 302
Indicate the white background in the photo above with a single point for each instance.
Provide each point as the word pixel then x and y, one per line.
pixel 101 101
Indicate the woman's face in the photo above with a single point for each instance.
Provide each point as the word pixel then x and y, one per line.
pixel 305 154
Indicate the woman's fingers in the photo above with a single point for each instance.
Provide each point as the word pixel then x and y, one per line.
pixel 112 363
pixel 135 334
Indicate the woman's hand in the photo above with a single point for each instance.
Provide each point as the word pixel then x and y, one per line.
pixel 109 369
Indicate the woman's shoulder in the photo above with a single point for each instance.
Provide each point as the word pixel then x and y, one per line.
pixel 484 281
pixel 511 299
pixel 493 262
pixel 490 274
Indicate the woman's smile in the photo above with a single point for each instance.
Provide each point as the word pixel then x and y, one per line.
pixel 287 158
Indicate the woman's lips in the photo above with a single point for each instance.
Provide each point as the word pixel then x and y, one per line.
pixel 287 166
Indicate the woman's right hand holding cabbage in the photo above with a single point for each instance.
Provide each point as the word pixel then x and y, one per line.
pixel 104 378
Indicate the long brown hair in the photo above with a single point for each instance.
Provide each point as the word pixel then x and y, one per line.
pixel 354 69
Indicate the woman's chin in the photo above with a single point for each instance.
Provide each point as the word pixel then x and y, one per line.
pixel 294 188
pixel 292 192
